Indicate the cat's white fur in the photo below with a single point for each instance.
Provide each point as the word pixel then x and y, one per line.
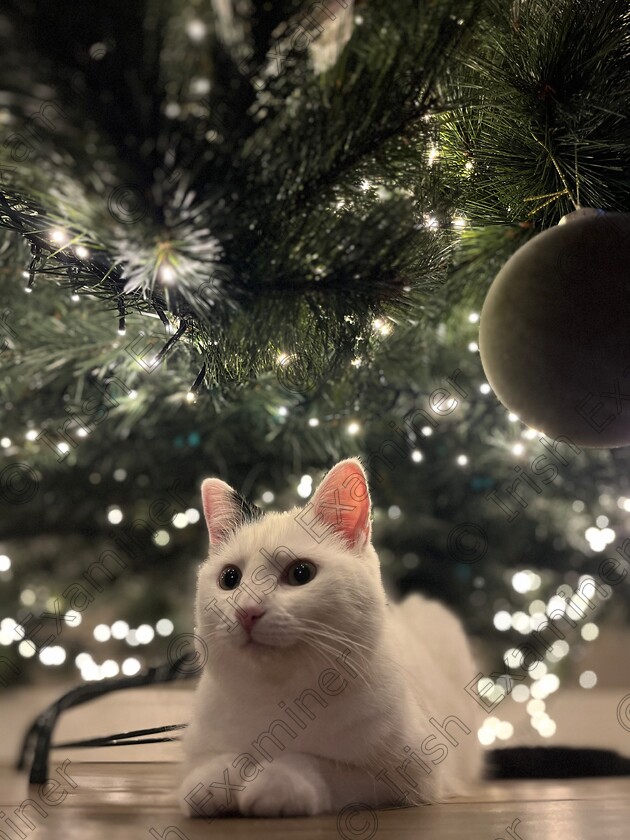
pixel 370 683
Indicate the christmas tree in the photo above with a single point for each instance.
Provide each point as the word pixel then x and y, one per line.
pixel 246 240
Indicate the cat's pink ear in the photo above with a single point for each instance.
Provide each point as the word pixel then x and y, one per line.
pixel 341 503
pixel 225 509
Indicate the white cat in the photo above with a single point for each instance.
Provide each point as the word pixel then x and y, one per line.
pixel 317 693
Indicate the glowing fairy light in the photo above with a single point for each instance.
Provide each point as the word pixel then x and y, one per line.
pixel 5 563
pixel 59 236
pixel 131 666
pixel 462 460
pixel 502 620
pixel 427 431
pixel 474 317
pixel 196 30
pixel 119 629
pixel 305 487
pixel 115 515
pixel 166 273
pixel 313 422
pixel 381 326
pixel 459 223
pixel 191 397
pixel 518 449
pixel 164 627
pixel 82 252
pixel 31 435
pixel 353 428
pixel 417 456
pixel 145 634
pixel 433 154
pixel 473 347
pixel 512 417
pixel 5 443
pixel 431 222
pixel 102 633
pixel 588 679
pixel 75 298
pixel 589 631
pixel 485 388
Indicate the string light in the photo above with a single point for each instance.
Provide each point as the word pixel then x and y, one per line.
pixel 196 30
pixel 462 460
pixel 145 634
pixel 130 666
pixel 5 563
pixel 162 538
pixel 102 633
pixel 417 456
pixel 353 428
pixel 59 236
pixel 313 422
pixel 588 679
pixel 119 629
pixel 474 317
pixel 82 252
pixel 473 346
pixel 431 222
pixel 115 515
pixel 164 627
pixel 5 442
pixel 166 273
pixel 31 434
pixel 381 326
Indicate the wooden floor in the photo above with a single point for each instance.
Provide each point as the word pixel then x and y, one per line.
pixel 124 801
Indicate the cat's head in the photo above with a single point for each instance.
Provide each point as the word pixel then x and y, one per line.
pixel 277 586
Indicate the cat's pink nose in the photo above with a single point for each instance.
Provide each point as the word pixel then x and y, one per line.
pixel 248 616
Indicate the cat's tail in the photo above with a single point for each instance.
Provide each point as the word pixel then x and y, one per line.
pixel 554 763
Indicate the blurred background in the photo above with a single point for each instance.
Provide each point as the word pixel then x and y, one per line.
pixel 214 263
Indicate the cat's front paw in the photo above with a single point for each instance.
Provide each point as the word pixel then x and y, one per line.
pixel 289 787
pixel 210 789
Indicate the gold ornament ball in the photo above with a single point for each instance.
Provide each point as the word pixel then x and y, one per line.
pixel 554 332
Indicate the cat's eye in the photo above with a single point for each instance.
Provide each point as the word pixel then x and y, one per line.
pixel 230 577
pixel 301 572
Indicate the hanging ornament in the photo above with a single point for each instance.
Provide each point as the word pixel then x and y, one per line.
pixel 554 332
